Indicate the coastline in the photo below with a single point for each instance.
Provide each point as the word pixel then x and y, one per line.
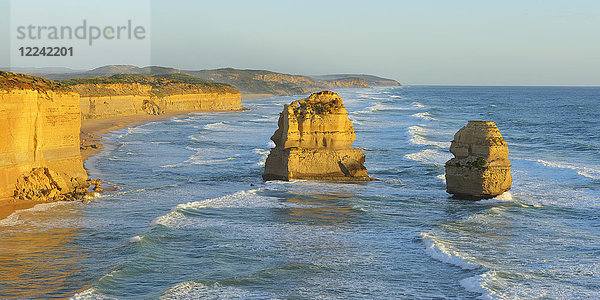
pixel 91 143
pixel 91 129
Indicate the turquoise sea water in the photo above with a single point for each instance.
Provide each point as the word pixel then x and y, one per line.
pixel 193 219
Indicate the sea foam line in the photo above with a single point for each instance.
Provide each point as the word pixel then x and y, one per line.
pixel 503 198
pixel 14 218
pixel 438 251
pixel 478 284
pixel 91 293
pixel 176 217
pixel 416 137
pixel 382 107
pixel 581 170
pixel 198 290
pixel 425 115
pixel 214 126
pixel 429 156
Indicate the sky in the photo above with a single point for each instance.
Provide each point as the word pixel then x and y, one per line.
pixel 458 42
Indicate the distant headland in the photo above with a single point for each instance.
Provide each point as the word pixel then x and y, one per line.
pixel 251 83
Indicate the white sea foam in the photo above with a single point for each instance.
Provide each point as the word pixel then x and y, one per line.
pixel 439 251
pixel 11 220
pixel 266 119
pixel 478 284
pixel 215 126
pixel 180 120
pixel 382 107
pixel 199 159
pixel 263 155
pixel 504 198
pixel 91 294
pixel 108 195
pixel 418 105
pixel 429 156
pixel 585 171
pixel 425 115
pixel 197 290
pixel 135 239
pixel 131 130
pixel 176 217
pixel 416 133
pixel 16 217
pixel 442 177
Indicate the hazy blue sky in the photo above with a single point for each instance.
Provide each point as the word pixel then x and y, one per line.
pixel 416 42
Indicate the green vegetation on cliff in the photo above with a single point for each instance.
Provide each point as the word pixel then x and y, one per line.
pixel 161 85
pixel 13 81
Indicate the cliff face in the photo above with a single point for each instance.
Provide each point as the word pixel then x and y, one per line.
pixel 39 130
pixel 139 95
pixel 481 168
pixel 313 141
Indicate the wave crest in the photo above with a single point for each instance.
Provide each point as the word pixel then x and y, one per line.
pixel 438 251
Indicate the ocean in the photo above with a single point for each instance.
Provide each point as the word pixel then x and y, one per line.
pixel 193 219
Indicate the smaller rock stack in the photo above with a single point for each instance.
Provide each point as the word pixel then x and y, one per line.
pixel 481 168
pixel 313 141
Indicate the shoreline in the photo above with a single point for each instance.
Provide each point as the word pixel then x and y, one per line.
pixel 91 143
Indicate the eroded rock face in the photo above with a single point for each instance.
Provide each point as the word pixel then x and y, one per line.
pixel 39 130
pixel 481 168
pixel 314 141
pixel 43 184
pixel 116 100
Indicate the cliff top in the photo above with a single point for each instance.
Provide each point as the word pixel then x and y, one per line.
pixel 13 81
pixel 161 85
pixel 324 102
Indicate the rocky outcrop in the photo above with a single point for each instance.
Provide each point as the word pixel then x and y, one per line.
pixel 43 184
pixel 128 95
pixel 39 134
pixel 313 141
pixel 481 168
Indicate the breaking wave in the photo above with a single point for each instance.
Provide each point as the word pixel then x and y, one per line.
pixel 439 251
pixel 429 156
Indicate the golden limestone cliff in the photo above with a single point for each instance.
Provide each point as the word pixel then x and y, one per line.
pixel 39 133
pixel 128 95
pixel 481 168
pixel 314 141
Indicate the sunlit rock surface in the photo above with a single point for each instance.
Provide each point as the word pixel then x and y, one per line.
pixel 480 168
pixel 314 141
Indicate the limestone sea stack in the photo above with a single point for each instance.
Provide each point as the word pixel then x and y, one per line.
pixel 480 168
pixel 314 141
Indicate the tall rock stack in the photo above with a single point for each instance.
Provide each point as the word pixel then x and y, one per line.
pixel 481 168
pixel 314 141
